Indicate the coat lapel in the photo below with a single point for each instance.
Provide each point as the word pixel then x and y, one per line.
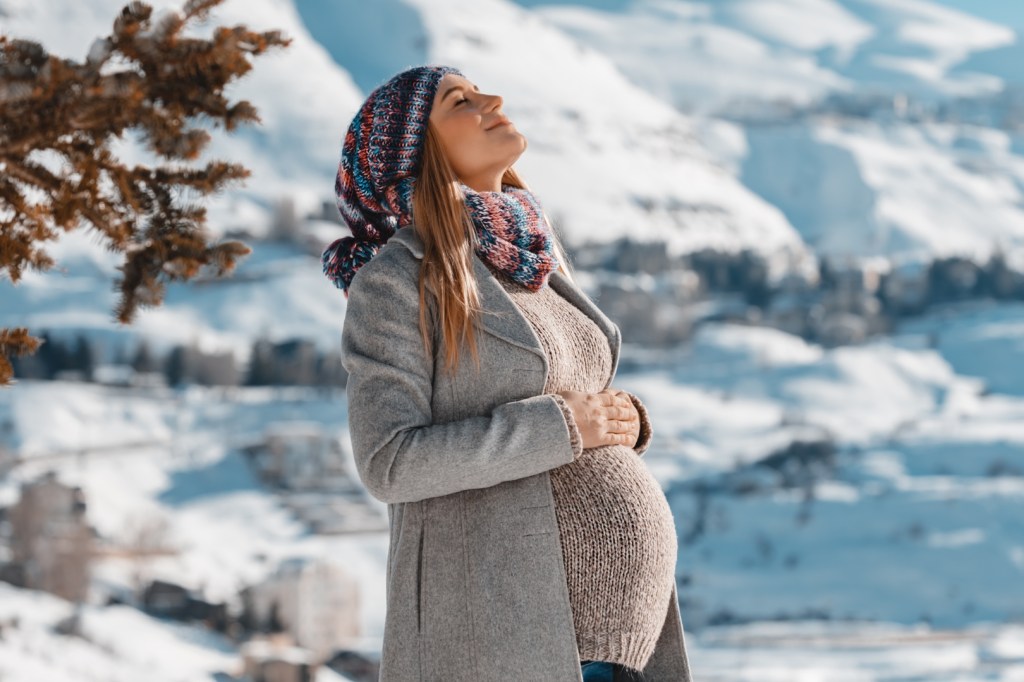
pixel 503 318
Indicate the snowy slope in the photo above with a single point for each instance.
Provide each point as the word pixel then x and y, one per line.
pixel 679 51
pixel 118 644
pixel 928 485
pixel 592 95
pixel 1009 14
pixel 864 188
pixel 727 52
pixel 607 158
pixel 584 120
pixel 1003 62
pixel 226 529
pixel 855 188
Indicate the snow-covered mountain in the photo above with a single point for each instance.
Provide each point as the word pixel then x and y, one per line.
pixel 726 52
pixel 599 93
pixel 903 191
pixel 854 185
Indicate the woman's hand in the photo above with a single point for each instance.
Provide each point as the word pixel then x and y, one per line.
pixel 605 418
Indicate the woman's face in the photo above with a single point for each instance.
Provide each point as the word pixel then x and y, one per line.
pixel 479 142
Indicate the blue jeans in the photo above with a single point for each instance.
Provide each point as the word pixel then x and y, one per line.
pixel 598 671
pixel 604 671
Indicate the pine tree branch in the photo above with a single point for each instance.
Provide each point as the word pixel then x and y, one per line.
pixel 165 87
pixel 14 342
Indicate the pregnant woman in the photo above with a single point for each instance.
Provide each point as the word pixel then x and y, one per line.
pixel 528 540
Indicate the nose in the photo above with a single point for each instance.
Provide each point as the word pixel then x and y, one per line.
pixel 495 102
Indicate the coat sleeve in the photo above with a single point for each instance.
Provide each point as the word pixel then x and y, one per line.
pixel 401 454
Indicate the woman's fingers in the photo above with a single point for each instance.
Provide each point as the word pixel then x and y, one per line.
pixel 622 424
pixel 608 417
pixel 626 426
pixel 620 406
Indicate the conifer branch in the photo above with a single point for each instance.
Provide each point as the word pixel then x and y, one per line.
pixel 58 119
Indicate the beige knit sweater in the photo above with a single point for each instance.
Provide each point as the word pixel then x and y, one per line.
pixel 617 532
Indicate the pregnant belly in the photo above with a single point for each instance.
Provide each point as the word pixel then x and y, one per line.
pixel 607 501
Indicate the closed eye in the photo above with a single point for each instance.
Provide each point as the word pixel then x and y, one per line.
pixel 475 87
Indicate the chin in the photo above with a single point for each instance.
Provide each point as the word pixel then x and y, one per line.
pixel 513 149
pixel 512 159
pixel 520 143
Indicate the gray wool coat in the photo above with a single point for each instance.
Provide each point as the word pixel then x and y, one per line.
pixel 476 584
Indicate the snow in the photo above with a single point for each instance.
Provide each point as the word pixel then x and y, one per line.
pixel 905 192
pixel 742 51
pixel 985 342
pixel 118 643
pixel 585 122
pixel 928 483
pixel 224 529
pixel 855 651
pixel 719 64
pixel 558 96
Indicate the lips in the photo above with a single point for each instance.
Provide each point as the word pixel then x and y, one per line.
pixel 501 121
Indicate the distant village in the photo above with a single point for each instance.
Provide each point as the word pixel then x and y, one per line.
pixel 659 301
pixel 305 614
pixel 293 362
pixel 1002 109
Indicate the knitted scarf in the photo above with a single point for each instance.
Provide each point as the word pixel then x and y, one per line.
pixel 512 237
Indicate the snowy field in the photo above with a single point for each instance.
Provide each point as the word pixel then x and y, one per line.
pixel 124 646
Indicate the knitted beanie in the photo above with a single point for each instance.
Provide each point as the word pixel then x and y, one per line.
pixel 380 160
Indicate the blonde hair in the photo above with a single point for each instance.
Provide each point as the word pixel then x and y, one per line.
pixel 444 225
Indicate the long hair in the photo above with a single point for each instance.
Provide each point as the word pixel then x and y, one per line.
pixel 445 227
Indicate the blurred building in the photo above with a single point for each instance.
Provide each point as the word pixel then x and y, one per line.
pixel 51 543
pixel 170 600
pixel 275 659
pixel 313 600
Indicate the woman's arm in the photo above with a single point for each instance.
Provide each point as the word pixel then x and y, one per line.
pixel 400 454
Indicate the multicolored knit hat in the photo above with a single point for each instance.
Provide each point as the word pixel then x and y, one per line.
pixel 380 160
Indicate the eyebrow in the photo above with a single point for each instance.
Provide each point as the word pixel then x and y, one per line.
pixel 456 87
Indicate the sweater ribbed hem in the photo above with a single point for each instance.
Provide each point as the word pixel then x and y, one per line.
pixel 646 431
pixel 632 650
